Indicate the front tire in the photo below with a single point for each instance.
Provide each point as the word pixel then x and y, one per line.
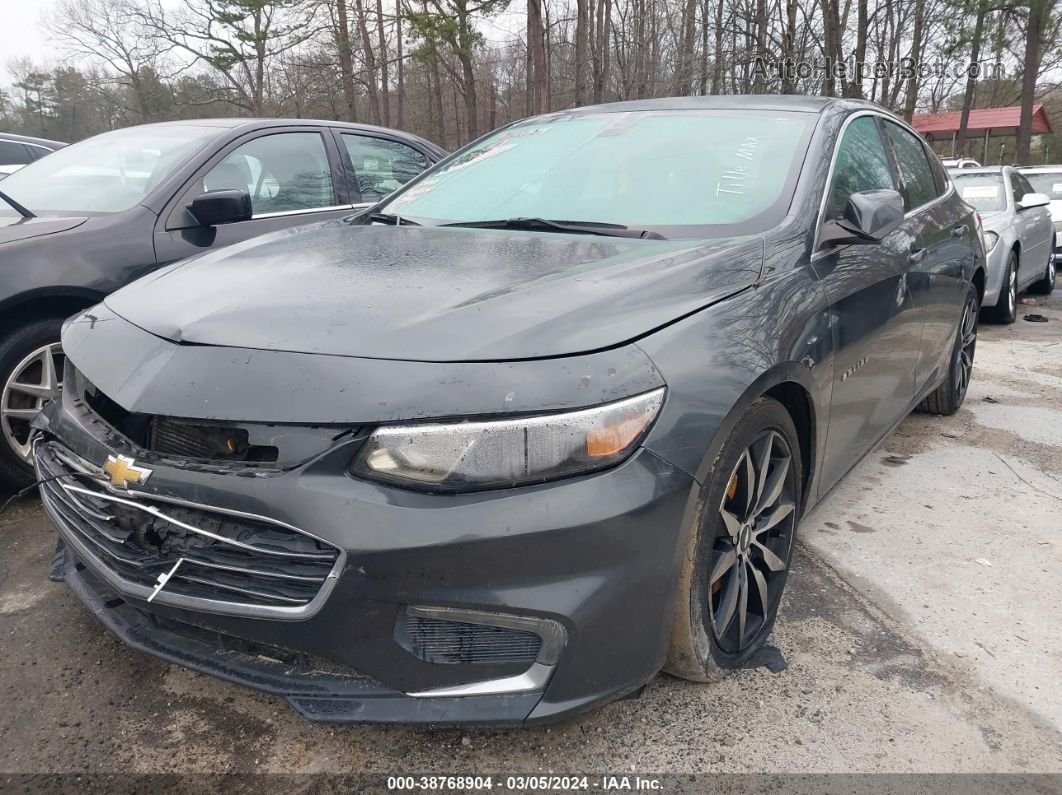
pixel 31 372
pixel 947 397
pixel 738 556
pixel 1046 285
pixel 1006 309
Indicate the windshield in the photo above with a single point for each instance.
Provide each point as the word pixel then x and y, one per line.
pixel 105 174
pixel 1048 184
pixel 681 173
pixel 983 192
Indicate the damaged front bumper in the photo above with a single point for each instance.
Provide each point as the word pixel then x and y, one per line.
pixel 500 607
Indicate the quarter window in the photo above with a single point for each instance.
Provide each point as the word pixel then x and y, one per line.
pixel 284 172
pixel 382 166
pixel 14 154
pixel 861 164
pixel 916 176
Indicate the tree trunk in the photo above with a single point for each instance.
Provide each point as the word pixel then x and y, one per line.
pixel 704 48
pixel 401 68
pixel 582 22
pixel 854 88
pixel 437 80
pixel 537 43
pixel 971 81
pixel 385 91
pixel 911 99
pixel 683 80
pixel 1029 75
pixel 717 55
pixel 830 37
pixel 759 85
pixel 789 48
pixel 370 62
pixel 346 61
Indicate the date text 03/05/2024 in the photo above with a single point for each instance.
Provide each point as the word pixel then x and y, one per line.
pixel 524 783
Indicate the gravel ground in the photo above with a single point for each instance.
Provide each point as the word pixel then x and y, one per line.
pixel 920 629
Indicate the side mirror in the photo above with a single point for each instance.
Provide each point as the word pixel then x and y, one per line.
pixel 868 217
pixel 221 207
pixel 1030 200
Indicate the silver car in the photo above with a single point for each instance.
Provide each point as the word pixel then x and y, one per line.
pixel 1048 180
pixel 1019 236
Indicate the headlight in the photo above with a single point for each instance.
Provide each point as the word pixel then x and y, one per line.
pixel 991 238
pixel 477 455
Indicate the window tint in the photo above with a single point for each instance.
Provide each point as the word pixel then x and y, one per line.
pixel 918 186
pixel 382 166
pixel 940 176
pixel 1021 186
pixel 282 172
pixel 981 191
pixel 1048 184
pixel 861 164
pixel 13 154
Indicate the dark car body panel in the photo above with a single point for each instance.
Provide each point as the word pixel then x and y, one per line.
pixel 394 325
pixel 216 382
pixel 504 295
pixel 80 261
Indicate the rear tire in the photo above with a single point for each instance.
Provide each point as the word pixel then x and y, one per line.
pixel 1006 309
pixel 947 397
pixel 27 383
pixel 1046 285
pixel 738 554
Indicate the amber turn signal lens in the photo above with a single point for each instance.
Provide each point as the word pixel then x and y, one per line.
pixel 612 439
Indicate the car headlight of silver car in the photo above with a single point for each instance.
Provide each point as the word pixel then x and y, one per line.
pixel 991 238
pixel 456 456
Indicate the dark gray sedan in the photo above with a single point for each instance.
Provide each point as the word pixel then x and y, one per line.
pixel 537 426
pixel 98 214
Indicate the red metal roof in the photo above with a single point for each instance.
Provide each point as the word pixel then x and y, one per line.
pixel 980 120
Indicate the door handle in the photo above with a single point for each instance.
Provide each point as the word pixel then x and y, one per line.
pixel 917 255
pixel 959 231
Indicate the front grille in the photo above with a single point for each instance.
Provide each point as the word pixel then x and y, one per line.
pixel 456 642
pixel 223 557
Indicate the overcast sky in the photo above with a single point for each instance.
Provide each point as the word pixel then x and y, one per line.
pixel 20 33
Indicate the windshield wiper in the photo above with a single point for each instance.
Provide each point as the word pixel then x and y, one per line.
pixel 391 218
pixel 18 207
pixel 576 227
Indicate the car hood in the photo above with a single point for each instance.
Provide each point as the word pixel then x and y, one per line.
pixel 997 221
pixel 12 229
pixel 435 294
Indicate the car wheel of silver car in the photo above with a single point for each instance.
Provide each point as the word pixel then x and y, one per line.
pixel 738 555
pixel 31 370
pixel 1006 308
pixel 947 397
pixel 1046 285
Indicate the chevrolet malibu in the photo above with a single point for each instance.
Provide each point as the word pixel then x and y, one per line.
pixel 541 424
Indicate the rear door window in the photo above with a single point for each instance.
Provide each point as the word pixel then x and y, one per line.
pixel 381 166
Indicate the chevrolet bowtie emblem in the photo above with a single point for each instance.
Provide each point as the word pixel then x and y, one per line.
pixel 123 471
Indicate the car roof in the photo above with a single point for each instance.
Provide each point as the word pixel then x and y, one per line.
pixel 29 139
pixel 235 123
pixel 981 170
pixel 766 102
pixel 1040 169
